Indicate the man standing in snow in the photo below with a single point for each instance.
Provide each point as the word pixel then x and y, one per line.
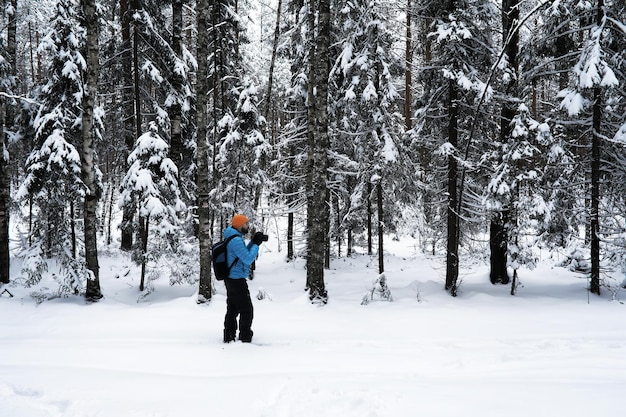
pixel 240 256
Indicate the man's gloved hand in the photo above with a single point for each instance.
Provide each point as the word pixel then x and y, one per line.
pixel 258 238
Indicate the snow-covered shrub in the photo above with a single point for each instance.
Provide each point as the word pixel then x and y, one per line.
pixel 184 268
pixel 576 260
pixel 263 295
pixel 379 291
pixel 33 266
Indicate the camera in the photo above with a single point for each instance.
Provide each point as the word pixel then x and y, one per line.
pixel 260 237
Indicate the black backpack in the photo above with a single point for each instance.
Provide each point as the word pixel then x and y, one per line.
pixel 219 253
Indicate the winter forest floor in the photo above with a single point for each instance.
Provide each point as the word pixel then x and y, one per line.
pixel 547 351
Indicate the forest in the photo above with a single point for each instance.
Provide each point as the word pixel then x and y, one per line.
pixel 485 129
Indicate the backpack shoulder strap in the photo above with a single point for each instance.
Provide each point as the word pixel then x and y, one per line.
pixel 230 238
pixel 227 242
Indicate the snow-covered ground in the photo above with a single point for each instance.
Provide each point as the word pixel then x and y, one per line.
pixel 545 352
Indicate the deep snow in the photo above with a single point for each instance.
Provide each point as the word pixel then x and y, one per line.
pixel 545 352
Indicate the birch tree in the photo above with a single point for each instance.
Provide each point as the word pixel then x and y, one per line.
pixel 89 169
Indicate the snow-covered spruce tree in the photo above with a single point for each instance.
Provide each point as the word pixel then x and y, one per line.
pixel 462 54
pixel 614 198
pixel 291 145
pixel 529 161
pixel 151 187
pixel 509 98
pixel 155 66
pixel 582 43
pixel 367 133
pixel 53 178
pixel 237 145
pixel 240 156
pixel 519 180
pixel 179 101
pixel 597 101
pixel 548 36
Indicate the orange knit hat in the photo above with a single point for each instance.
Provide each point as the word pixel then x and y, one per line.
pixel 239 220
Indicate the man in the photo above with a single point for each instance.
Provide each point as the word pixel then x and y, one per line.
pixel 238 302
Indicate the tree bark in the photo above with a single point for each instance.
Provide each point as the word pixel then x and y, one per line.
pixel 175 111
pixel 5 192
pixel 317 193
pixel 370 216
pixel 381 229
pixel 595 191
pixel 408 71
pixel 129 114
pixel 498 244
pixel 596 143
pixel 6 121
pixel 270 81
pixel 88 152
pixel 499 236
pixel 136 89
pixel 202 162
pixel 144 223
pixel 452 252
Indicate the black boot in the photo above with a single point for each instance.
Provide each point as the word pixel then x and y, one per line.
pixel 246 337
pixel 229 336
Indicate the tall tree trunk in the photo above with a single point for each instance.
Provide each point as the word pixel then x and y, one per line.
pixel 381 230
pixel 129 114
pixel 175 111
pixel 370 217
pixel 136 87
pixel 270 82
pixel 144 223
pixel 6 123
pixel 408 71
pixel 596 143
pixel 498 245
pixel 595 192
pixel 5 193
pixel 317 193
pixel 499 237
pixel 290 251
pixel 202 161
pixel 88 152
pixel 453 219
pixel 73 228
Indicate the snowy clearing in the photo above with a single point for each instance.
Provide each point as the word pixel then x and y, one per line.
pixel 545 351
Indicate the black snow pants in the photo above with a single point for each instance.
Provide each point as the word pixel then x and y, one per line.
pixel 238 303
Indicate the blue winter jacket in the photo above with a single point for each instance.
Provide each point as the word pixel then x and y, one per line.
pixel 237 248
